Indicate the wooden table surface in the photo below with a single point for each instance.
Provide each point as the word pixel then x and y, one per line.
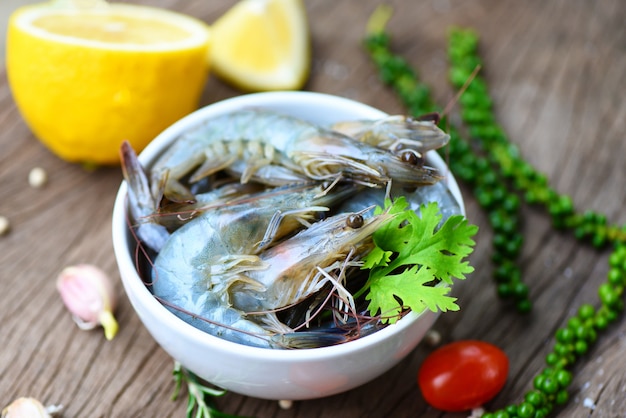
pixel 556 72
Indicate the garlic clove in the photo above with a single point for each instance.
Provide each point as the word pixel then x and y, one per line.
pixel 29 408
pixel 88 294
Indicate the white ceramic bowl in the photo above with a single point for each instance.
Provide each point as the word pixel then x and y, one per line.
pixel 258 372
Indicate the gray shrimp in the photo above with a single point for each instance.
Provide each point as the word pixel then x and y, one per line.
pixel 154 221
pixel 262 137
pixel 397 133
pixel 223 243
pixel 301 265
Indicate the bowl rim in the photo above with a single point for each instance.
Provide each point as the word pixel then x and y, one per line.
pixel 136 286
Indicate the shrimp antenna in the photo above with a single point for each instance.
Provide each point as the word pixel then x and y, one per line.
pixel 215 323
pixel 139 249
pixel 458 94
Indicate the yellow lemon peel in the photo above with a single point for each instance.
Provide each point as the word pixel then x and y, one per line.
pixel 87 78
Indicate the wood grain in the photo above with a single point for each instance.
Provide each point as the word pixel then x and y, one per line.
pixel 556 73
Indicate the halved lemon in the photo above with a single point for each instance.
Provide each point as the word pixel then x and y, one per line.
pixel 262 45
pixel 87 78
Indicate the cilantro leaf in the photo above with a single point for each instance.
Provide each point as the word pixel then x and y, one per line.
pixel 416 259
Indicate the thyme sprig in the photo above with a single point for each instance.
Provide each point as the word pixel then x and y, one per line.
pixel 200 398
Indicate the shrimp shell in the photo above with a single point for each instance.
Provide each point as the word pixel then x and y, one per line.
pixel 223 244
pixel 396 133
pixel 263 137
pixel 301 265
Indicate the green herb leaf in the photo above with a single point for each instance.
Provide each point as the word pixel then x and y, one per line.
pixel 415 260
pixel 200 398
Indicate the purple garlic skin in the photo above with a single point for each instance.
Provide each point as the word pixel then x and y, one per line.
pixel 88 294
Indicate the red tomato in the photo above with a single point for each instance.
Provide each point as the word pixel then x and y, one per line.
pixel 463 375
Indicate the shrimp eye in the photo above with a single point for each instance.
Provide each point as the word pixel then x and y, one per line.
pixel 412 157
pixel 354 221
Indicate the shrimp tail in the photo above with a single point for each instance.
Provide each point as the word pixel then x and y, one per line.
pixel 141 201
pixel 308 339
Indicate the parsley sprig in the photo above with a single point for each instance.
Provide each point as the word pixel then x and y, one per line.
pixel 416 259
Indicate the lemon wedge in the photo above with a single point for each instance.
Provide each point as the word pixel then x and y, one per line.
pixel 262 45
pixel 86 78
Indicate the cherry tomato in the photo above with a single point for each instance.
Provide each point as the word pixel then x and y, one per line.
pixel 463 375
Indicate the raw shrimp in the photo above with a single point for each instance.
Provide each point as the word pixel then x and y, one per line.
pixel 141 202
pixel 154 223
pixel 248 224
pixel 184 280
pixel 173 215
pixel 397 133
pixel 262 137
pixel 189 299
pixel 224 241
pixel 227 237
pixel 301 265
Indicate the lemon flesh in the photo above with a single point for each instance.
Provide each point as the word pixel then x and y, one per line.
pixel 262 45
pixel 112 29
pixel 86 80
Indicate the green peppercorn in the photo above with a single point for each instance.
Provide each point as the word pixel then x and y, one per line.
pixel 539 379
pixel 504 290
pixel 581 347
pixel 565 335
pixel 581 332
pixel 561 350
pixel 615 276
pixel 535 398
pixel 611 315
pixel 608 295
pixel 563 377
pixel 574 322
pixel 511 410
pixel 601 322
pixel 520 290
pixel 586 311
pixel 526 410
pixel 561 397
pixel 511 203
pixel 549 386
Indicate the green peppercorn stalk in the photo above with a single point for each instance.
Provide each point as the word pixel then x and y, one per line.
pixel 571 343
pixel 477 114
pixel 489 187
pixel 490 177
